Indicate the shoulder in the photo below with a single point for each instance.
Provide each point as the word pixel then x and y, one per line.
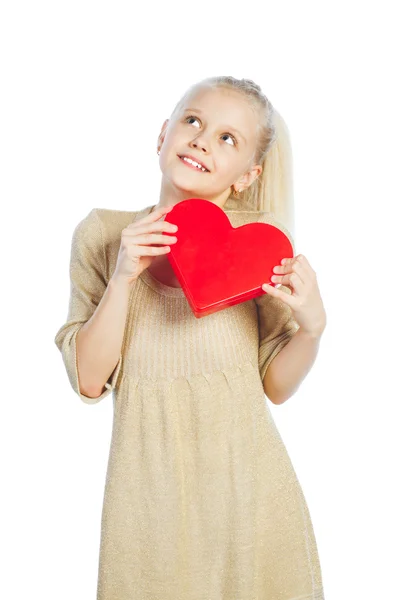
pixel 250 216
pixel 112 220
pixel 87 232
pixel 110 223
pixel 100 227
pixel 88 225
pixel 242 217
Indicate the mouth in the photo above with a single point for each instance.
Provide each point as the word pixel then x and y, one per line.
pixel 193 163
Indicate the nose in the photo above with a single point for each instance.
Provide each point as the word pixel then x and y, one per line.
pixel 199 144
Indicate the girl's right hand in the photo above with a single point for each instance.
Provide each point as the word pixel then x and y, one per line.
pixel 141 242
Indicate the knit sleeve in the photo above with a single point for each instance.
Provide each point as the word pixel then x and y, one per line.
pixel 276 326
pixel 87 286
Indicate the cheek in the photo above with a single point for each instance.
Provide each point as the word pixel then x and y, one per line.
pixel 168 155
pixel 229 170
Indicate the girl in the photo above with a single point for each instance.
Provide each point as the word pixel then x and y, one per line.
pixel 201 499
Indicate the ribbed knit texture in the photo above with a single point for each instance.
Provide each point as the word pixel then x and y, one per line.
pixel 201 499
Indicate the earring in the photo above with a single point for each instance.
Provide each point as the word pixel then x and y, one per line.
pixel 158 151
pixel 237 192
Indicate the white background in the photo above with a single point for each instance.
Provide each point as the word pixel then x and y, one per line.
pixel 86 87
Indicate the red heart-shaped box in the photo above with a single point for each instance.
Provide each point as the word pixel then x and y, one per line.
pixel 219 265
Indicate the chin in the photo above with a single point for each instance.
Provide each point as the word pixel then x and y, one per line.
pixel 189 190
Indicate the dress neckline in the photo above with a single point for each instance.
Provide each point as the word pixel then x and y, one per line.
pixel 161 288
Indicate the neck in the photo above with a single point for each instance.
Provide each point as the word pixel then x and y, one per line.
pixel 170 195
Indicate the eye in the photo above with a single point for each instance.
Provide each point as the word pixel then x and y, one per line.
pixel 191 117
pixel 232 138
pixel 198 120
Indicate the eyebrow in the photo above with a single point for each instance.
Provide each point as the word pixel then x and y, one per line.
pixel 227 126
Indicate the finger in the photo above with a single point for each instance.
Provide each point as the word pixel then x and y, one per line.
pixel 299 269
pixel 300 259
pixel 155 215
pixel 156 224
pixel 290 266
pixel 146 239
pixel 284 296
pixel 294 282
pixel 150 250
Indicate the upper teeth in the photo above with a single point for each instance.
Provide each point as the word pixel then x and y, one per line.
pixel 193 162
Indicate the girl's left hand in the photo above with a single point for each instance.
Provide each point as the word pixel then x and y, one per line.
pixel 305 299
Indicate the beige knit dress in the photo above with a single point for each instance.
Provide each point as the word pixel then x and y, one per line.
pixel 201 500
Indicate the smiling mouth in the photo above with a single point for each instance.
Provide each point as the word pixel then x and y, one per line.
pixel 191 165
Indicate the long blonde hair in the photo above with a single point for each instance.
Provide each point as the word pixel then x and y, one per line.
pixel 272 190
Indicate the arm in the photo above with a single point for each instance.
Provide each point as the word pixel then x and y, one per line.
pixel 97 312
pixel 288 369
pixel 99 340
pixel 276 327
pixel 286 350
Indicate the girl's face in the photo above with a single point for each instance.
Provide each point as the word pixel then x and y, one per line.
pixel 217 127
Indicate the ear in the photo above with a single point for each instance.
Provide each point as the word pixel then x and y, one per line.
pixel 162 132
pixel 247 179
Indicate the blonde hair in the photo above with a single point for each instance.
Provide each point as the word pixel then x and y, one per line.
pixel 272 190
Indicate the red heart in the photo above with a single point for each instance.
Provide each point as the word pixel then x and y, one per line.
pixel 219 265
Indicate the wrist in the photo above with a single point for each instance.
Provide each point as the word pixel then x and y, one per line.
pixel 314 334
pixel 118 282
